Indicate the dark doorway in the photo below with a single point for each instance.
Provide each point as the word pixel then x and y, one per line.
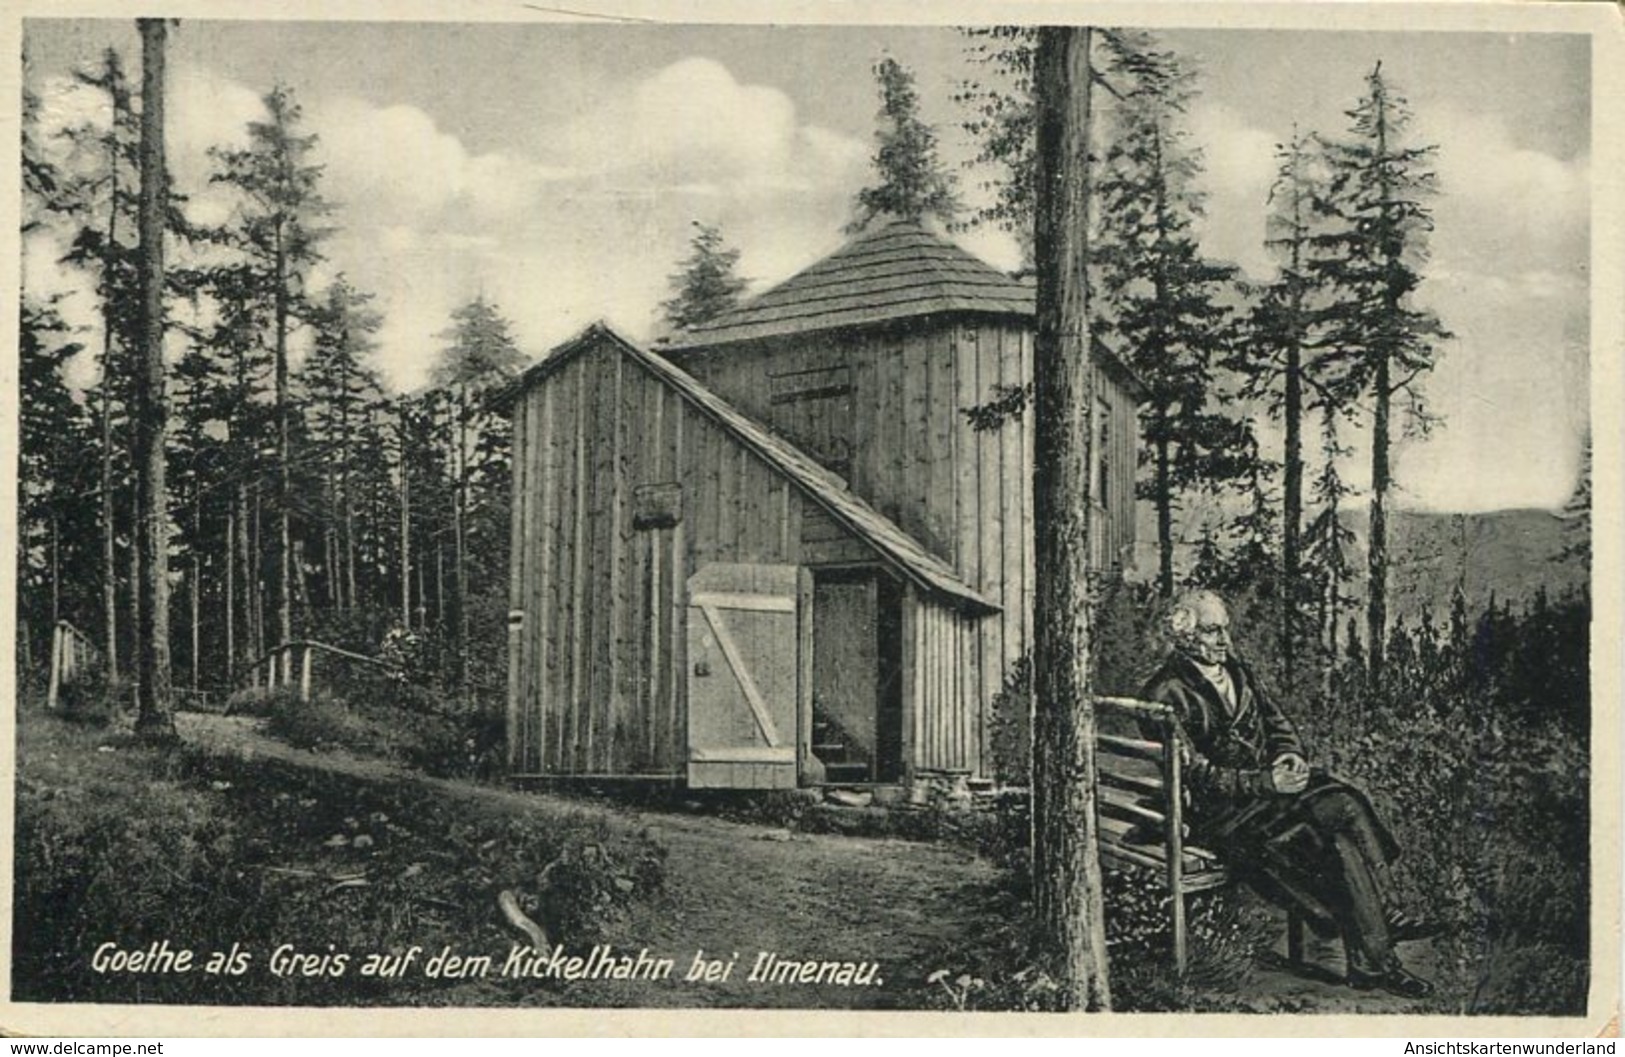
pixel 857 685
pixel 889 706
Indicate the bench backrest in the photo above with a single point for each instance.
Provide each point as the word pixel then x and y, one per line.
pixel 1139 795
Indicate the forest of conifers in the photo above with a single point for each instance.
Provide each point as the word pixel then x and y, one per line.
pixel 306 501
pixel 392 507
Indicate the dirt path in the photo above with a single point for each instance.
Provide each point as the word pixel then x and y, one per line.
pixel 737 891
pixel 734 891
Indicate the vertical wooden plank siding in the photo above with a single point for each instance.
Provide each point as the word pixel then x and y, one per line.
pixel 598 666
pixel 726 472
pixel 546 570
pixel 1125 439
pixel 576 703
pixel 526 502
pixel 944 717
pixel 890 494
pixel 909 636
pixel 1024 501
pixel 867 451
pixel 654 608
pixel 675 746
pixel 601 562
pixel 938 440
pixel 542 568
pixel 540 559
pixel 914 442
pixel 931 707
pixel 614 750
pixel 589 563
pixel 969 518
pixel 550 590
pixel 990 516
pixel 518 526
pixel 951 715
pixel 600 685
pixel 1013 470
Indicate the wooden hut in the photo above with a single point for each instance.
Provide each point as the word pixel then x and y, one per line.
pixel 780 553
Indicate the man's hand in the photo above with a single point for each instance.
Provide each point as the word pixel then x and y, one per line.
pixel 1289 773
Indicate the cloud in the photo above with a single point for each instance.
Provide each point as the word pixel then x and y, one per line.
pixel 1507 276
pixel 593 228
pixel 1499 199
pixel 1239 164
pixel 205 109
pixel 693 124
pixel 394 161
pixel 589 226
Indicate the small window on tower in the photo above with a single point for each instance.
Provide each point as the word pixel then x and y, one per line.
pixel 819 383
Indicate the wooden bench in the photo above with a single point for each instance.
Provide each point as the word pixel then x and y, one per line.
pixel 1140 802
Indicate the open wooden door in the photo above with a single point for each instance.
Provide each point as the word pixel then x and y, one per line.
pixel 746 687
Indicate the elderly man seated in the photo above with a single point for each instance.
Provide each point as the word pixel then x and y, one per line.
pixel 1297 834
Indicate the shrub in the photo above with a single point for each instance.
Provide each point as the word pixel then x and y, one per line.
pixel 1011 724
pixel 93 699
pixel 419 731
pixel 259 701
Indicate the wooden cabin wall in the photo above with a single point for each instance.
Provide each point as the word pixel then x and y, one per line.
pixel 913 456
pixel 900 424
pixel 943 721
pixel 602 643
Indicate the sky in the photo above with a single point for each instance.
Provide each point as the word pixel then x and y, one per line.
pixel 557 170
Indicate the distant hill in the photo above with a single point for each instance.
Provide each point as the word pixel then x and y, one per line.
pixel 1508 553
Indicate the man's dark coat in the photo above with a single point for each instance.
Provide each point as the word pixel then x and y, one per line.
pixel 1234 808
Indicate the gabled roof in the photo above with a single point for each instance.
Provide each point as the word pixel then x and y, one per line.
pixel 897 548
pixel 894 271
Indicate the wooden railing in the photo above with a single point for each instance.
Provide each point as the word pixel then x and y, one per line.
pixel 277 666
pixel 73 655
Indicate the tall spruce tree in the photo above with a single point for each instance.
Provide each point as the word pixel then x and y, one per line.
pixel 1377 342
pixel 912 183
pixel 155 719
pixel 480 353
pixel 705 284
pixel 279 231
pixel 103 190
pixel 1276 361
pixel 1160 298
pixel 1326 539
pixel 341 389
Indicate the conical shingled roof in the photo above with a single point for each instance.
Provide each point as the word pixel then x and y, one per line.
pixel 894 271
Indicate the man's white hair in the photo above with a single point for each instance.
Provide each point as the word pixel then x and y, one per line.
pixel 1183 615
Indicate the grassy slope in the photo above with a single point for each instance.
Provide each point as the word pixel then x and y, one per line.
pixel 233 839
pixel 124 843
